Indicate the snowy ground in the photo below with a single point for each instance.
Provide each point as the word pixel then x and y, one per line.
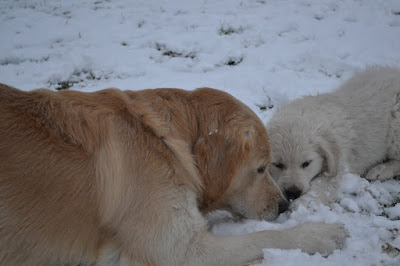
pixel 264 52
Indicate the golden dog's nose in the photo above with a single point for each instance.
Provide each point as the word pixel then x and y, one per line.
pixel 283 206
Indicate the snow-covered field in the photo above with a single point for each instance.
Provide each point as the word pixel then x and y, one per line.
pixel 264 52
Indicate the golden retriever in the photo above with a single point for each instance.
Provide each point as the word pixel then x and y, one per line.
pixel 121 178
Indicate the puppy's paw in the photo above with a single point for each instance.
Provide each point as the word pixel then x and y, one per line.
pixel 320 237
pixel 380 172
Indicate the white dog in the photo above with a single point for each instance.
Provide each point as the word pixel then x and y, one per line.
pixel 356 126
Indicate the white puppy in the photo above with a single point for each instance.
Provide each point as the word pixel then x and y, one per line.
pixel 356 126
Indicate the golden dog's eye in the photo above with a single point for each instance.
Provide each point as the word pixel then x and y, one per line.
pixel 305 164
pixel 279 165
pixel 261 170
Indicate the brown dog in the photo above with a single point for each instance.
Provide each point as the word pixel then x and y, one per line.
pixel 120 177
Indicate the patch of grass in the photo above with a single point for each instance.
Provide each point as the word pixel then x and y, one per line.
pixel 160 46
pixel 229 30
pixel 67 14
pixel 171 53
pixel 264 107
pixel 11 60
pixel 17 60
pixel 65 85
pixel 267 105
pixel 329 75
pixel 318 17
pixel 75 78
pixel 141 23
pixel 190 55
pixel 233 61
pixel 91 76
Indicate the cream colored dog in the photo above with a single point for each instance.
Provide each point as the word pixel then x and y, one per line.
pixel 356 126
pixel 121 178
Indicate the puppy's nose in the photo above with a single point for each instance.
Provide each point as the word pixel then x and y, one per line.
pixel 292 193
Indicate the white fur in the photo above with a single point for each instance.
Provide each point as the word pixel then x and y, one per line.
pixel 357 126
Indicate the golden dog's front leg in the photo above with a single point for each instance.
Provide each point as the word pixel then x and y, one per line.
pixel 312 238
pixel 176 233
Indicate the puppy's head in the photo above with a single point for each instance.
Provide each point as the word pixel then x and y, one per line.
pixel 233 157
pixel 301 151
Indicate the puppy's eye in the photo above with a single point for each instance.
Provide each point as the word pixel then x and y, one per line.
pixel 305 164
pixel 261 170
pixel 279 165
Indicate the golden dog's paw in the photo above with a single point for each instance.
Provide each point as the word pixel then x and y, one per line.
pixel 320 237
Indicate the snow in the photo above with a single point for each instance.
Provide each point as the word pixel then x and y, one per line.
pixel 394 212
pixel 264 52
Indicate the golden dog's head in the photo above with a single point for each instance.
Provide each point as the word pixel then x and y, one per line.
pixel 233 154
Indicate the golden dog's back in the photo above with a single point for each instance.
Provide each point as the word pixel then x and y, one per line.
pixel 52 205
pixel 61 171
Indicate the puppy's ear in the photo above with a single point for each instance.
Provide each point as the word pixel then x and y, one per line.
pixel 329 149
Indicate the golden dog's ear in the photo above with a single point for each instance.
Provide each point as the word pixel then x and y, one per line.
pixel 217 149
pixel 212 153
pixel 248 138
pixel 330 150
pixel 218 158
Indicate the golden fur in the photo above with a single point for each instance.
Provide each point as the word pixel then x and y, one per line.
pixel 116 177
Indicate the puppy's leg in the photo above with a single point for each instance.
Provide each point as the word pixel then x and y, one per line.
pixel 323 190
pixel 384 171
pixel 239 250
